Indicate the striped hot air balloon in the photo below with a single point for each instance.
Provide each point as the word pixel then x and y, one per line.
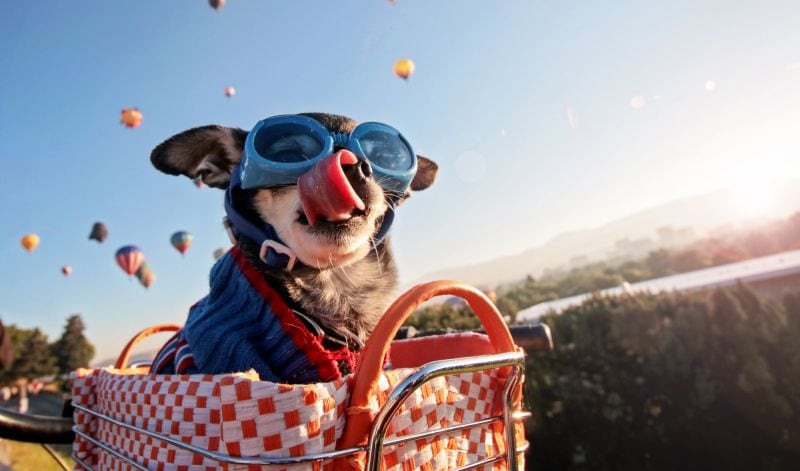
pixel 181 240
pixel 129 258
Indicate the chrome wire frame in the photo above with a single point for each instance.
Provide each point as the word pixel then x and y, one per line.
pixel 435 369
pixel 377 439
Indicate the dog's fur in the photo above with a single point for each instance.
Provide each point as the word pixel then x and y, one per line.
pixel 345 280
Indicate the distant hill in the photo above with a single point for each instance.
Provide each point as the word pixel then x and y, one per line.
pixel 681 222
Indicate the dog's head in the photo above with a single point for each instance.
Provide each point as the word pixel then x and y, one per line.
pixel 329 219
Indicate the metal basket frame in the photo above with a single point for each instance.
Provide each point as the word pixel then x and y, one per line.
pixel 515 361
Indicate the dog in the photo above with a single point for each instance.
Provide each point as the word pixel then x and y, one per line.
pixel 311 270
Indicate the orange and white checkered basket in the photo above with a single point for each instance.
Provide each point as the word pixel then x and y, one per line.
pixel 449 402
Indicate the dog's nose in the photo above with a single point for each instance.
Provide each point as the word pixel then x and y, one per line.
pixel 363 170
pixel 326 192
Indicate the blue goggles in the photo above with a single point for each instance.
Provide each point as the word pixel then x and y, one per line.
pixel 281 148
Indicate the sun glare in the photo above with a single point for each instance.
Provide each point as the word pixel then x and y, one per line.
pixel 754 197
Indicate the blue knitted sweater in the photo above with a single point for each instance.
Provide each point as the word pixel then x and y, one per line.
pixel 243 323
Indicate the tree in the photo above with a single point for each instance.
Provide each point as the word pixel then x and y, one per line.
pixel 6 349
pixel 632 379
pixel 32 356
pixel 73 350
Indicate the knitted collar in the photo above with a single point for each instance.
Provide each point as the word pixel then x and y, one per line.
pixel 244 323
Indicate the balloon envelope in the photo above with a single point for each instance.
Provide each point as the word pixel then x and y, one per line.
pixel 145 275
pixel 230 91
pixel 66 270
pixel 216 4
pixel 30 242
pixel 181 240
pixel 131 117
pixel 404 68
pixel 99 232
pixel 147 279
pixel 219 253
pixel 129 258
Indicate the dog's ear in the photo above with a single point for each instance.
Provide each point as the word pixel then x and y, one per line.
pixel 208 152
pixel 426 173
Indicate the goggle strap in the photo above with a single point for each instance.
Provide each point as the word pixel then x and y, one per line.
pixel 265 236
pixel 275 254
pixel 388 218
pixel 340 139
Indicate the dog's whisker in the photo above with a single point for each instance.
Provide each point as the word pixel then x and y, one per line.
pixel 374 244
pixel 347 275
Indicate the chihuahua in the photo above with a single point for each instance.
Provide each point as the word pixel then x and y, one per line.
pixel 309 199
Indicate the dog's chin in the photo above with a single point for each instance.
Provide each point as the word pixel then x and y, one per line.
pixel 328 249
pixel 325 244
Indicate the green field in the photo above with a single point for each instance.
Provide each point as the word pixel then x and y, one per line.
pixel 32 457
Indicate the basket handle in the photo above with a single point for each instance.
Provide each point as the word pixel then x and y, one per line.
pixel 125 355
pixel 359 414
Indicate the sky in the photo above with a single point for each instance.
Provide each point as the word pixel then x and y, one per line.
pixel 543 116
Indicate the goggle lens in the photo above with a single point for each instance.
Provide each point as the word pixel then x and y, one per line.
pixel 288 143
pixel 280 149
pixel 386 150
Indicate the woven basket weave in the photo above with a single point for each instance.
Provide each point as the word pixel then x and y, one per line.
pixel 239 416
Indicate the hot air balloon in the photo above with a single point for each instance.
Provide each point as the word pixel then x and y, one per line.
pixel 181 240
pixel 99 232
pixel 216 4
pixel 145 275
pixel 230 91
pixel 147 278
pixel 198 182
pixel 491 295
pixel 404 68
pixel 66 270
pixel 129 258
pixel 219 253
pixel 30 242
pixel 131 117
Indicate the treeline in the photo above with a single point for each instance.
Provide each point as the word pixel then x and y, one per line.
pixel 776 237
pixel 708 380
pixel 779 236
pixel 664 382
pixel 35 356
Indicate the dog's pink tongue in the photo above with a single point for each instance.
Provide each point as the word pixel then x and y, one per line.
pixel 325 191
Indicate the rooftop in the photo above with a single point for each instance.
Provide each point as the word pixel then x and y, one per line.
pixel 747 271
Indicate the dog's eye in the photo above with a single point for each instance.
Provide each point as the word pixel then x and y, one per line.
pixel 293 148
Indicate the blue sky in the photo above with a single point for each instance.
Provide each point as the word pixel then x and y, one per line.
pixel 527 106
